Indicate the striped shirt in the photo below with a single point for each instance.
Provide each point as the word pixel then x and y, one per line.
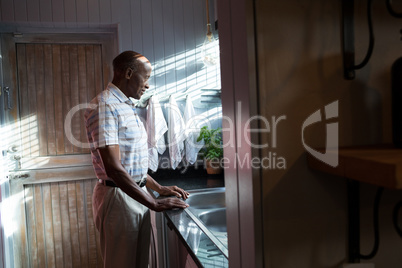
pixel 112 120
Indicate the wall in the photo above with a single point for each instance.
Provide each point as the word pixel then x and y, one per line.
pixel 300 71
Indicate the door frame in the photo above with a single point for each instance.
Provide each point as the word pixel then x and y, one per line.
pixel 239 75
pixel 11 252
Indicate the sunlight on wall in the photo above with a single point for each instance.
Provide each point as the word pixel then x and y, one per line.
pixel 186 72
pixel 205 118
pixel 215 113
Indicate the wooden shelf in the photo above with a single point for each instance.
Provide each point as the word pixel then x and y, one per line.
pixel 379 165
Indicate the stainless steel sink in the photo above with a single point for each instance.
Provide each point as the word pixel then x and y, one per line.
pixel 208 210
pixel 214 220
pixel 207 199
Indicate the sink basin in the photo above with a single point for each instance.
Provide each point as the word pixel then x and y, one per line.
pixel 214 220
pixel 207 200
pixel 208 210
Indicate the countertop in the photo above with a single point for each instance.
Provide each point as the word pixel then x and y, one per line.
pixel 202 249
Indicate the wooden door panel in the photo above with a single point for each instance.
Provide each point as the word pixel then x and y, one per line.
pixel 58 98
pixel 73 71
pixel 53 78
pixel 38 73
pixel 60 227
pixel 49 100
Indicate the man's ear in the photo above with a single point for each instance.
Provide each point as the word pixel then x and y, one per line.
pixel 129 73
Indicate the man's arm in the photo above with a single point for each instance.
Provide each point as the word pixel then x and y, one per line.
pixel 115 170
pixel 166 190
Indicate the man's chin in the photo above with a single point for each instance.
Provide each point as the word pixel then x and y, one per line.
pixel 137 97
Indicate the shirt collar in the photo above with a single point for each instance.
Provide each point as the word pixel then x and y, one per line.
pixel 118 94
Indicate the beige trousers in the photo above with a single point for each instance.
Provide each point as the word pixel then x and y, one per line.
pixel 124 227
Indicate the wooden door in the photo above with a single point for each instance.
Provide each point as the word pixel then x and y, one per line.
pixel 49 166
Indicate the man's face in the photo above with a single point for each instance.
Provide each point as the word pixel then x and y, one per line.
pixel 138 82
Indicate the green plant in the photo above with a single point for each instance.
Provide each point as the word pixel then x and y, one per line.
pixel 212 143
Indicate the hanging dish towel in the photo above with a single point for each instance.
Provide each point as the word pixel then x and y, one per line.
pixel 156 128
pixel 192 147
pixel 176 133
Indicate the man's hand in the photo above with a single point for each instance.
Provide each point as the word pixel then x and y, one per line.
pixel 166 190
pixel 173 190
pixel 169 203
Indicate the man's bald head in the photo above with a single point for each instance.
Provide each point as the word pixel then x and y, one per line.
pixel 128 59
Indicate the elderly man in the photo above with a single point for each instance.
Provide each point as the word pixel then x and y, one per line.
pixel 120 158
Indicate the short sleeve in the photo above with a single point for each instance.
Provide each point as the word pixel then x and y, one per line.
pixel 103 126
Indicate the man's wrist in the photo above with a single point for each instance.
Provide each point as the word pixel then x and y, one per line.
pixel 161 189
pixel 151 183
